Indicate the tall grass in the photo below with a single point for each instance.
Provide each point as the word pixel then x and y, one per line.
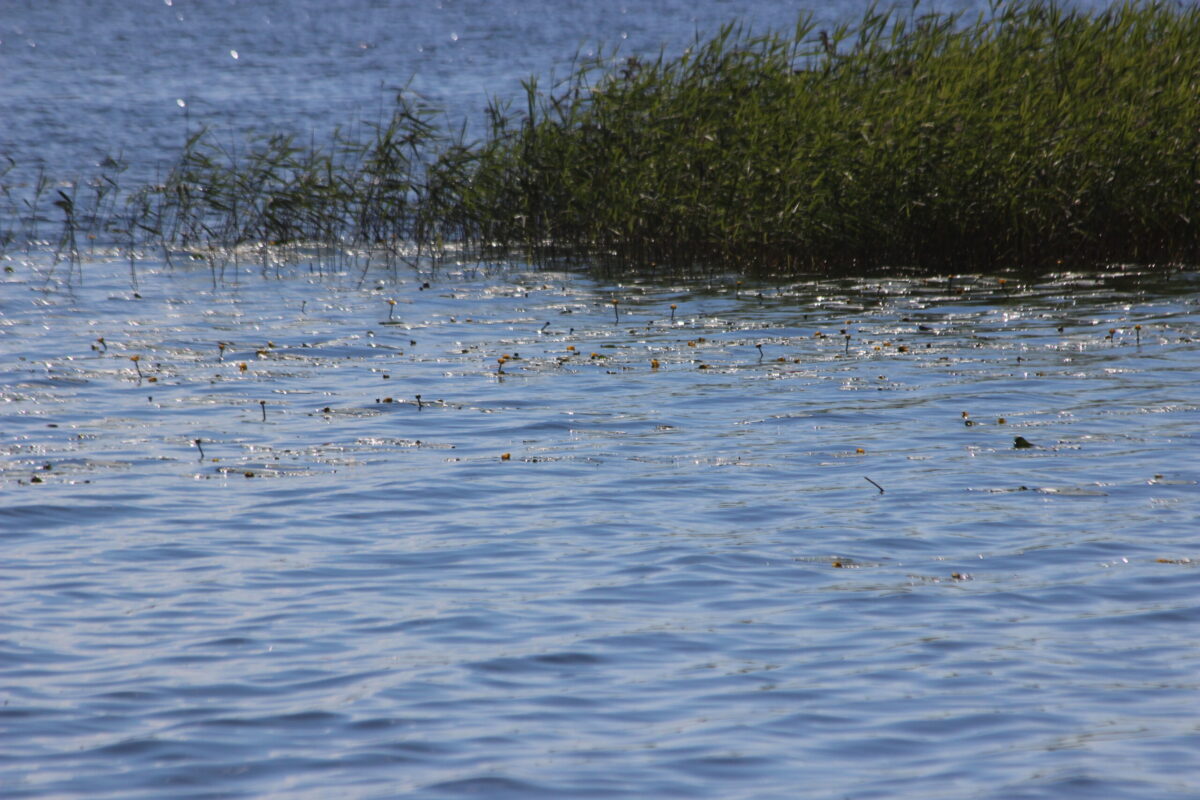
pixel 1029 136
pixel 352 191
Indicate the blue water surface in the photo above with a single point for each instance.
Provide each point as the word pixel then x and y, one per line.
pixel 567 572
pixel 128 80
pixel 504 538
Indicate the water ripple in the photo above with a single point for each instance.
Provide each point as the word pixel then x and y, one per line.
pixel 596 578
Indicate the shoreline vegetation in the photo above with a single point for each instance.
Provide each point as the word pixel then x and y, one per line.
pixel 1031 137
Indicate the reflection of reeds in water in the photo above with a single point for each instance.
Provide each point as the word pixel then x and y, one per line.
pixel 1032 136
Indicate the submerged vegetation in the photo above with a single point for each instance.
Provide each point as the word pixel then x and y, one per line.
pixel 1030 136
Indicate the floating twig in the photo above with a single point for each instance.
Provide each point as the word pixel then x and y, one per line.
pixel 873 483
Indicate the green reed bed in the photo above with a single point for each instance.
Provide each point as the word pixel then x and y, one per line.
pixel 1030 136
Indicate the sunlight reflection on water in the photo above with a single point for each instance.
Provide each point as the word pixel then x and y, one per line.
pixel 683 581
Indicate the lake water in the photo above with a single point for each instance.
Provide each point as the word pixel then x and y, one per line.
pixel 129 78
pixel 475 530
